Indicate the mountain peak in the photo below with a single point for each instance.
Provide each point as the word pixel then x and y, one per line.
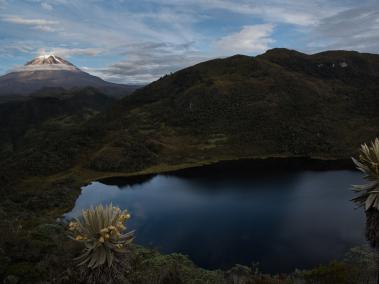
pixel 47 62
pixel 50 72
pixel 48 59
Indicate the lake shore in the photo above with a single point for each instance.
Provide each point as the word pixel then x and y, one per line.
pixel 253 165
pixel 44 198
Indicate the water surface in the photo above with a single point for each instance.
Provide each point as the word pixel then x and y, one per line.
pixel 283 220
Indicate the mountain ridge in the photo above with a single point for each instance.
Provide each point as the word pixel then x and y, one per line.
pixel 259 106
pixel 233 108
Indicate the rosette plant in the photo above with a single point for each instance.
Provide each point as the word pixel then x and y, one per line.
pixel 103 233
pixel 368 163
pixel 368 194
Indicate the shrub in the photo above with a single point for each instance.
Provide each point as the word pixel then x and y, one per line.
pixel 333 273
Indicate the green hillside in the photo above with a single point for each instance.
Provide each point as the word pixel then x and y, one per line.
pixel 279 104
pixel 282 103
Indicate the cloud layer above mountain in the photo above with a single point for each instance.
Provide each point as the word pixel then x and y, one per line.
pixel 139 41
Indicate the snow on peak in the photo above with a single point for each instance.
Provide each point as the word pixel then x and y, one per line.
pixel 48 59
pixel 44 56
pixel 47 62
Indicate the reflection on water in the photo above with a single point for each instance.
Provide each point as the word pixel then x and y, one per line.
pixel 284 220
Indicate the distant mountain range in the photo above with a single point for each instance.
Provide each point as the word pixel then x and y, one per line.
pixel 279 104
pixel 50 71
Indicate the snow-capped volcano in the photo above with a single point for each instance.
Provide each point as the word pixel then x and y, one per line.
pixel 51 71
pixel 48 62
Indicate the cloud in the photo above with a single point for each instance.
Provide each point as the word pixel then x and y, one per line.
pixel 38 24
pixel 250 39
pixel 273 12
pixel 68 52
pixel 12 48
pixel 46 6
pixel 31 22
pixel 2 4
pixel 353 29
pixel 294 12
pixel 148 61
pixel 149 38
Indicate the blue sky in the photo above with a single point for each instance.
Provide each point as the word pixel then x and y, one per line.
pixel 137 41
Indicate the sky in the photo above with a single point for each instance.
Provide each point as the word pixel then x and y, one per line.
pixel 138 41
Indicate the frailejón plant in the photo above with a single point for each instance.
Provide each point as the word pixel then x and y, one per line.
pixel 102 231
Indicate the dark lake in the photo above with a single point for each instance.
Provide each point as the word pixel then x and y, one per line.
pixel 283 219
